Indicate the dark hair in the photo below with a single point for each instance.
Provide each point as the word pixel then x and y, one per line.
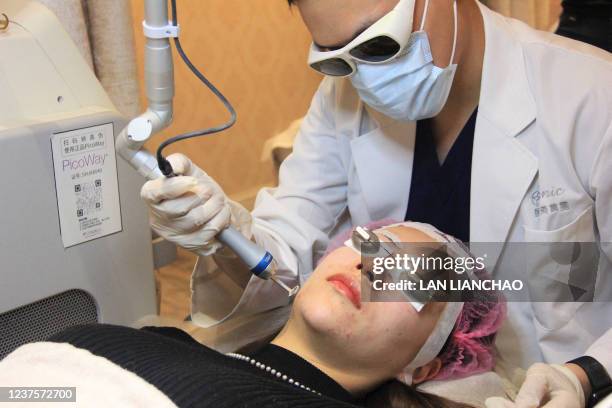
pixel 395 394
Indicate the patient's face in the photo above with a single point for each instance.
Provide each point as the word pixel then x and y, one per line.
pixel 375 336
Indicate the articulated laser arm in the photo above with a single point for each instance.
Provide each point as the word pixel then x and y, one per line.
pixel 159 82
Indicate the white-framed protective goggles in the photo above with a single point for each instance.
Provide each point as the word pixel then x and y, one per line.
pixel 381 42
pixel 367 243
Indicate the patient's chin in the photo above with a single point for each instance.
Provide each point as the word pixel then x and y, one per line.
pixel 327 318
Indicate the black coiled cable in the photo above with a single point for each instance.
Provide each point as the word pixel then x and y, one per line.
pixel 162 162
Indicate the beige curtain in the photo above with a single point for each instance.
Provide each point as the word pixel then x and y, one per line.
pixel 103 32
pixel 541 14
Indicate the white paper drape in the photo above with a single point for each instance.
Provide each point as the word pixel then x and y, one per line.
pixel 102 30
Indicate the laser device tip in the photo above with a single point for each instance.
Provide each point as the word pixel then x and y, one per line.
pixel 290 292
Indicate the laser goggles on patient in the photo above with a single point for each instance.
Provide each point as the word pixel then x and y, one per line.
pixel 381 42
pixel 410 272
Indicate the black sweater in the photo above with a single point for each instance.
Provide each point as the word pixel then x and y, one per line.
pixel 193 375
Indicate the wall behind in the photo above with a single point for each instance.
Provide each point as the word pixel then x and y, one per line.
pixel 541 14
pixel 255 52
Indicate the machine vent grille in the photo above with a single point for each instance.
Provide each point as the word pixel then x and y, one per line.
pixel 42 319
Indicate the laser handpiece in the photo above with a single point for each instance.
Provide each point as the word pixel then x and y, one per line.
pixel 259 261
pixel 159 81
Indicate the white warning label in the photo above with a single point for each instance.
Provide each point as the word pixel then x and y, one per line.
pixel 86 183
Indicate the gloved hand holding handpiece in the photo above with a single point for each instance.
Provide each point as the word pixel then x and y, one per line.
pixel 191 209
pixel 548 386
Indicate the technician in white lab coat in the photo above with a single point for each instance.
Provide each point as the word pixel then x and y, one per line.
pixel 541 164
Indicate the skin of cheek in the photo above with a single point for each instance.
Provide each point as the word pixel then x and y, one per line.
pixel 380 336
pixel 393 337
pixel 373 338
pixel 326 313
pixel 321 306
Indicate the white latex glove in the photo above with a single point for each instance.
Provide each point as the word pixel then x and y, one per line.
pixel 191 209
pixel 547 386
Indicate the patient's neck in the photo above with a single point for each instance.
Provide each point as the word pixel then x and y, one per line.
pixel 355 381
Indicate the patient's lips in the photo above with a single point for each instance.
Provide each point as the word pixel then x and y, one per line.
pixel 347 287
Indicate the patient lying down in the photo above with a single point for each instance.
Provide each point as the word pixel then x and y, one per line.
pixel 333 351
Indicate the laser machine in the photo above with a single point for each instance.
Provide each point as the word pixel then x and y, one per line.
pixel 75 243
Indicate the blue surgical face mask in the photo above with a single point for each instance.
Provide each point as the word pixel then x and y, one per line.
pixel 410 87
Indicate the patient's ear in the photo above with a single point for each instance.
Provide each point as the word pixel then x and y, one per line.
pixel 427 372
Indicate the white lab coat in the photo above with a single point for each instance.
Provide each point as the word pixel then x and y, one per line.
pixel 544 124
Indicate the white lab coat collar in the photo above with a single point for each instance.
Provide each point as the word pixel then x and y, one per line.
pixel 380 155
pixel 502 167
pixel 505 98
pixel 384 158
